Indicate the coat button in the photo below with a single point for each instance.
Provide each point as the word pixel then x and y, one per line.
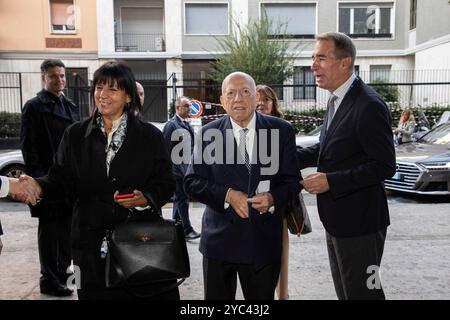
pixel 113 179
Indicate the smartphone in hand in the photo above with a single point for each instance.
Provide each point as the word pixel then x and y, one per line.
pixel 125 196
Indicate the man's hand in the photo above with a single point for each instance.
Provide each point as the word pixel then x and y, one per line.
pixel 316 183
pixel 139 200
pixel 261 202
pixel 238 200
pixel 25 189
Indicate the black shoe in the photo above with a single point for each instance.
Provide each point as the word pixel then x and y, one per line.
pixel 57 291
pixel 192 235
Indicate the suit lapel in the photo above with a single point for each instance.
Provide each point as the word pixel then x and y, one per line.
pixel 343 110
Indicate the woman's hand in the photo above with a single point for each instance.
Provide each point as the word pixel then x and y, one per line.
pixel 137 201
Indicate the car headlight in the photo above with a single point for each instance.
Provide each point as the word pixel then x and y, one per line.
pixel 441 165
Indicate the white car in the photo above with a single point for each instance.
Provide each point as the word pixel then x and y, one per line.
pixel 11 163
pixel 159 125
pixel 309 139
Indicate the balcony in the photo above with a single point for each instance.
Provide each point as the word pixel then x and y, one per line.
pixel 142 42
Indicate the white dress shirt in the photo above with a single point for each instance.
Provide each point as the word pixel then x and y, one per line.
pixel 250 138
pixel 342 91
pixel 4 189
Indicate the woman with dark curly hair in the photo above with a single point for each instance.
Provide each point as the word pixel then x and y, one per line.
pixel 268 101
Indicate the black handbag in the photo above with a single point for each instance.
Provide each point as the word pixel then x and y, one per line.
pixel 297 217
pixel 145 250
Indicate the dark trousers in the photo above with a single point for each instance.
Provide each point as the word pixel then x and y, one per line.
pixel 181 206
pixel 54 250
pixel 355 264
pixel 220 280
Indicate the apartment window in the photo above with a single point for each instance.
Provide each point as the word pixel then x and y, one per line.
pixel 206 18
pixel 366 20
pixel 303 78
pixel 298 18
pixel 380 73
pixel 413 14
pixel 62 15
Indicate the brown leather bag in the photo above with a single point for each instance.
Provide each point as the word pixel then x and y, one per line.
pixel 297 217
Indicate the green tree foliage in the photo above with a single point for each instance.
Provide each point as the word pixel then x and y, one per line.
pixel 254 50
pixel 387 91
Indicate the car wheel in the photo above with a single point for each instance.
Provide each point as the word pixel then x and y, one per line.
pixel 14 171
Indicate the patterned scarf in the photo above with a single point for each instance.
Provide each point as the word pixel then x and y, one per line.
pixel 117 139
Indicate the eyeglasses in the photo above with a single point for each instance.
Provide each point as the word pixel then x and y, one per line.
pixel 244 92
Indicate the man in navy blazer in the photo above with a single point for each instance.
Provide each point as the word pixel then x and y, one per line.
pixel 245 194
pixel 185 132
pixel 355 155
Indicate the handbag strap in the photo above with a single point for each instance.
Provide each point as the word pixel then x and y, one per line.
pixel 128 286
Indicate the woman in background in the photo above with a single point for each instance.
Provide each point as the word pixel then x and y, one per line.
pixel 268 104
pixel 267 101
pixel 406 127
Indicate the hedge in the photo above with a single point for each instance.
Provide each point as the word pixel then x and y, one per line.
pixel 9 124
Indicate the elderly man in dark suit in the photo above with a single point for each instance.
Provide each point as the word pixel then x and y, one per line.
pixel 185 132
pixel 355 155
pixel 44 119
pixel 245 195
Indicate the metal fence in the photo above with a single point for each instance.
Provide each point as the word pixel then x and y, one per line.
pixel 404 87
pixel 11 91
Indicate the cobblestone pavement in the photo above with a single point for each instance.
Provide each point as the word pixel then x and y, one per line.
pixel 415 263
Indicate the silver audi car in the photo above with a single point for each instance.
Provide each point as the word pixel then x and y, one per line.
pixel 423 167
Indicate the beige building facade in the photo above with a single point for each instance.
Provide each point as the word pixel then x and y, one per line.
pixel 35 30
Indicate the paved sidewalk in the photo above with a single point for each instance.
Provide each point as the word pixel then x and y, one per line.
pixel 415 263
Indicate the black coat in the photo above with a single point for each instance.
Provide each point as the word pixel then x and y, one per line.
pixel 141 163
pixel 357 155
pixel 43 125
